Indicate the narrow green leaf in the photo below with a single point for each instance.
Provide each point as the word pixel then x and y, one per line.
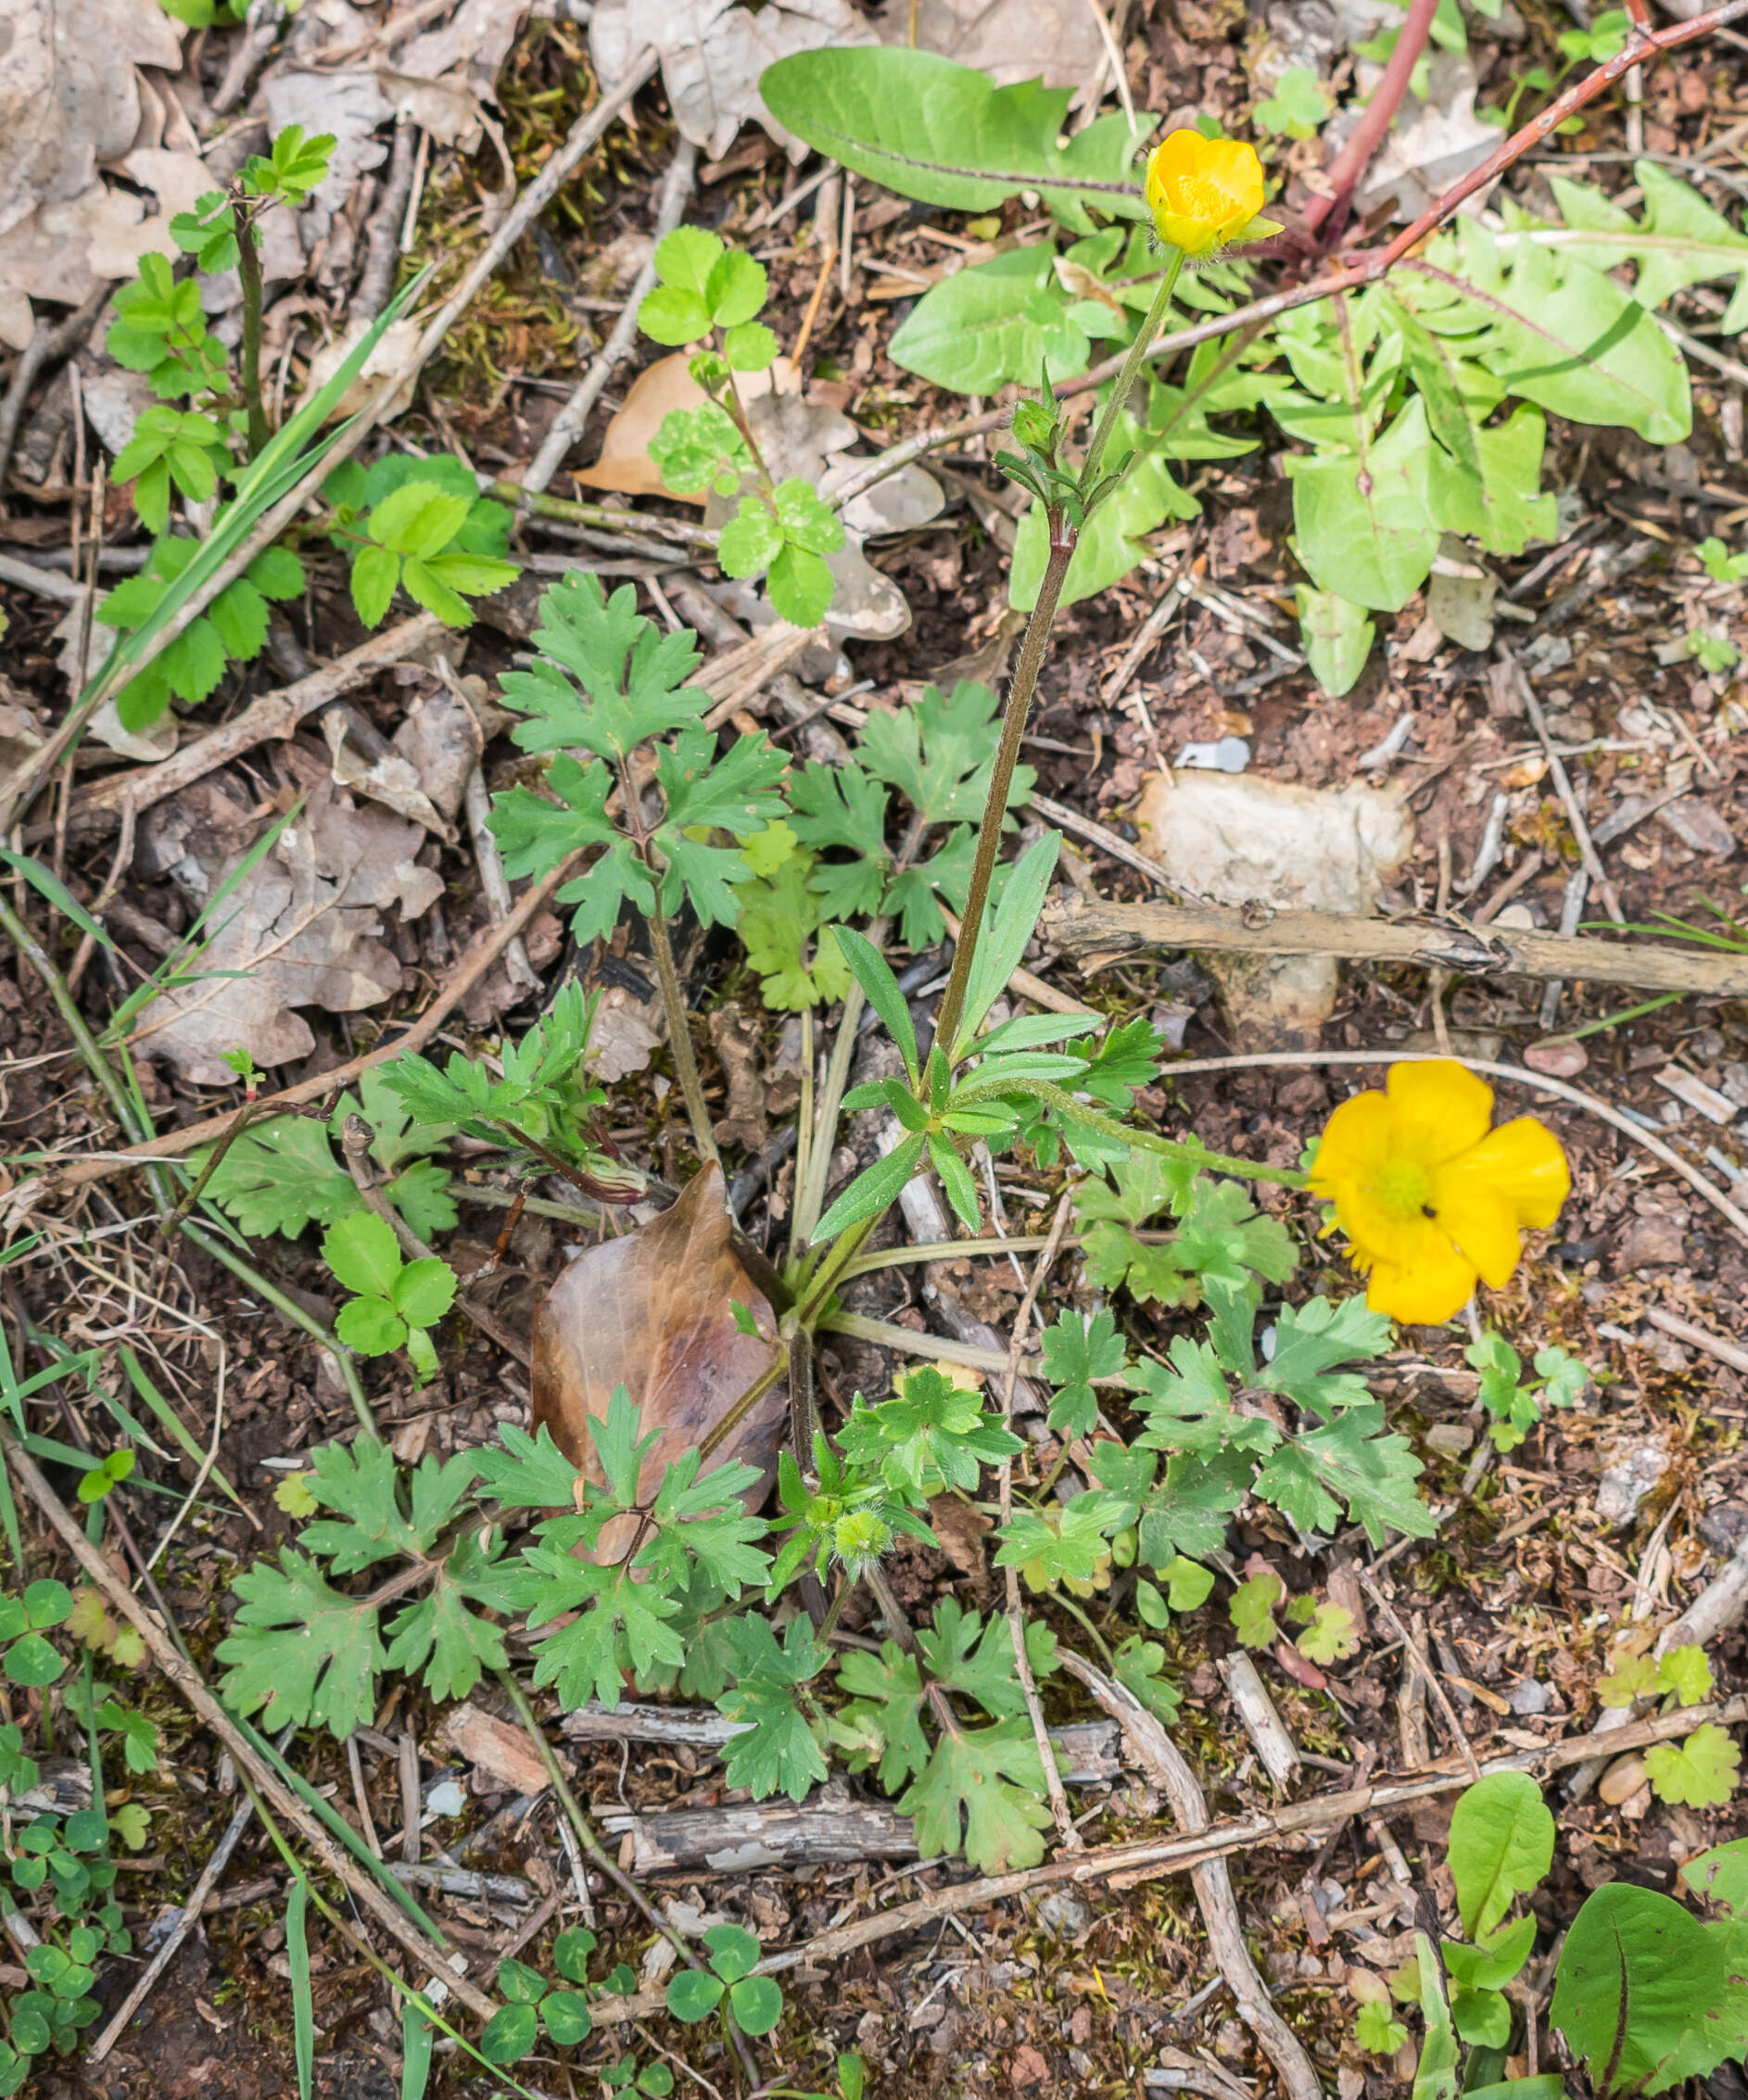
pixel 303 2005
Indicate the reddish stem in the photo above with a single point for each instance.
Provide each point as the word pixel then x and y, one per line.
pixel 1344 172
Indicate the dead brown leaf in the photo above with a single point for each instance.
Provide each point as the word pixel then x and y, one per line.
pixel 303 929
pixel 650 1312
pixel 735 1033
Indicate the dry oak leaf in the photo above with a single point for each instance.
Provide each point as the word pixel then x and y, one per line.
pixel 652 1313
pixel 303 929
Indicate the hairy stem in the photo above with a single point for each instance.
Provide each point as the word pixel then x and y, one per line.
pixel 1065 1104
pixel 1117 399
pixel 1031 655
pixel 249 268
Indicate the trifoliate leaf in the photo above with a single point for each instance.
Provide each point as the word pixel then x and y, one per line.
pixel 1076 1350
pixel 299 1652
pixel 777 1751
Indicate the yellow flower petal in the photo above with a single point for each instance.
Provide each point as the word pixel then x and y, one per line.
pixel 1482 1220
pixel 1421 1284
pixel 1202 192
pixel 1356 1138
pixel 1524 1161
pixel 1441 1108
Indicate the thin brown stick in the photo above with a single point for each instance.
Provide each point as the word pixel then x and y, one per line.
pixel 1148 1859
pixel 120 1598
pixel 1053 1787
pixel 1166 1766
pixel 1562 781
pixel 1081 926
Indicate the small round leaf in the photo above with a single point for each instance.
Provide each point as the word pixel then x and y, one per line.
pixel 693 1993
pixel 571 1952
pixel 510 2033
pixel 48 1603
pixel 520 1984
pixel 734 1951
pixel 756 2004
pixel 32 1661
pixel 566 2018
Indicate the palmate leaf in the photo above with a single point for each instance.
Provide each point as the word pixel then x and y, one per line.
pixel 981 1792
pixel 632 676
pixel 1311 1339
pixel 780 916
pixel 778 1753
pixel 939 753
pixel 1348 1462
pixel 299 1652
pixel 612 1610
pixel 281 1176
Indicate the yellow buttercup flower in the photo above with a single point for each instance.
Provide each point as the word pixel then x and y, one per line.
pixel 1204 193
pixel 1430 1196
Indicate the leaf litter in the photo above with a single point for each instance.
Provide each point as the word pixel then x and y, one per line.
pixel 1075 1993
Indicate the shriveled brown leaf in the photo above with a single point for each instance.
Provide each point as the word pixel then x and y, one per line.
pixel 1010 40
pixel 303 929
pixel 735 1033
pixel 650 1312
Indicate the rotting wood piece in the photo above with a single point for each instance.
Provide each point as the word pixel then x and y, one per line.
pixel 1081 927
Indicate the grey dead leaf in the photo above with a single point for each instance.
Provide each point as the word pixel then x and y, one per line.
pixel 304 929
pixel 626 1033
pixel 472 44
pixel 440 736
pixel 1460 602
pixel 651 1312
pixel 1010 40
pixel 390 779
pixel 69 100
pixel 1235 839
pixel 1433 145
pixel 712 54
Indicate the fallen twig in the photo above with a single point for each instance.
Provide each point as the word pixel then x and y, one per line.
pixel 1162 1762
pixel 1079 926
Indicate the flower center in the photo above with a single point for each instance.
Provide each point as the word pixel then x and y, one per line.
pixel 1404 1186
pixel 1202 197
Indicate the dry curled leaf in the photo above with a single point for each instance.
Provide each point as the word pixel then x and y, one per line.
pixel 652 1313
pixel 302 930
pixel 1010 40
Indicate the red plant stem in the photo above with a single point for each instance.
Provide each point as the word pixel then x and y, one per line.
pixel 1344 172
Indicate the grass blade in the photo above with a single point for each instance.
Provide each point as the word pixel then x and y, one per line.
pixel 416 2037
pixel 303 2005
pixel 46 885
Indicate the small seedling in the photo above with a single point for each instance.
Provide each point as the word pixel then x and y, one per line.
pixel 399 1302
pixel 753 2004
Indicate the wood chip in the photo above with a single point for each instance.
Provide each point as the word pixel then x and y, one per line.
pixel 1687 1086
pixel 497 1748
